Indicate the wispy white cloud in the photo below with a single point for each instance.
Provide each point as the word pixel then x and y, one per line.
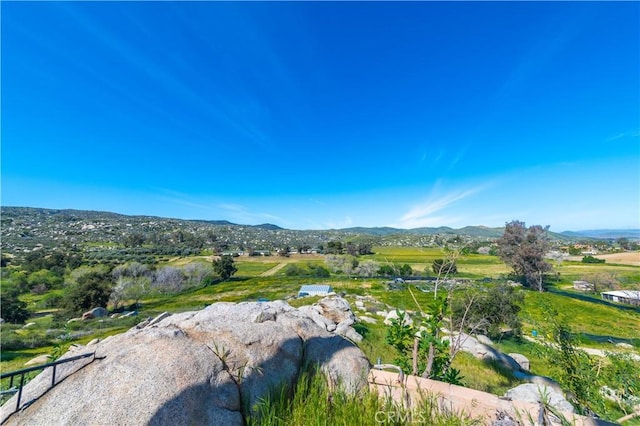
pixel 242 214
pixel 344 223
pixel 631 134
pixel 318 202
pixel 425 214
pixel 182 199
pixel 459 155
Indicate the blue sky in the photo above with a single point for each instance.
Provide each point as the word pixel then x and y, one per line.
pixel 328 114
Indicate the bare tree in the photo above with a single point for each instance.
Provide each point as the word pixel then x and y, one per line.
pixel 445 267
pixel 195 273
pixel 168 280
pixel 368 268
pixel 345 263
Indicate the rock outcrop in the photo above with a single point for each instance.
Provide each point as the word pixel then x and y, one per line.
pixel 204 367
pixel 334 314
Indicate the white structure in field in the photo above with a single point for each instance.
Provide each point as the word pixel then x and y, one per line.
pixel 630 297
pixel 582 285
pixel 314 290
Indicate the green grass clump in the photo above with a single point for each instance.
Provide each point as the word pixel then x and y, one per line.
pixel 312 402
pixel 484 376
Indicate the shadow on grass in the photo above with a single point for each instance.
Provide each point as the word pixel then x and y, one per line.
pixel 362 329
pixel 25 353
pixel 506 373
pixel 610 339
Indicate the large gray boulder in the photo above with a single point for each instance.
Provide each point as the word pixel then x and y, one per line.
pixel 204 367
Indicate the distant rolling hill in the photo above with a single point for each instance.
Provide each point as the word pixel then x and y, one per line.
pixel 472 231
pixel 27 227
pixel 605 233
pixel 483 232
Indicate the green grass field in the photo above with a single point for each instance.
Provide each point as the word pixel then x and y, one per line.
pixel 600 323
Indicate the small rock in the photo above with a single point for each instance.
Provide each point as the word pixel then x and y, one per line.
pixel 42 359
pixel 394 315
pixel 522 361
pixel 99 312
pixel 368 320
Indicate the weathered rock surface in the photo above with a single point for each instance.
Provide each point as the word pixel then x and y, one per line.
pixel 334 314
pixel 530 392
pixel 200 367
pixel 336 309
pixel 485 340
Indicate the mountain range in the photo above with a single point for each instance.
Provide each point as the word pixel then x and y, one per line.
pixel 25 228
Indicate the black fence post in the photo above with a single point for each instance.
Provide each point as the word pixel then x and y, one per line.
pixel 53 375
pixel 20 391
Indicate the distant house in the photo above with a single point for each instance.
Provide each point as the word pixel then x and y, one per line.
pixel 314 290
pixel 582 285
pixel 260 253
pixel 629 297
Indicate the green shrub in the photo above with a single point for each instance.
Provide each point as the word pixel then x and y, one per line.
pixel 591 259
pixel 52 300
pixel 12 308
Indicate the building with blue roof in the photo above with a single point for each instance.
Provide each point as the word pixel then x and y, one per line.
pixel 314 290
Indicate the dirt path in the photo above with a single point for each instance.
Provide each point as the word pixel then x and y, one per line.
pixel 273 270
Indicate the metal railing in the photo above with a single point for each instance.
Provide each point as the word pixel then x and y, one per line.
pixel 21 373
